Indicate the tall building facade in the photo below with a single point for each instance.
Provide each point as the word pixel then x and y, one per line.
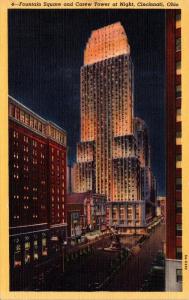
pixel 37 193
pixel 174 152
pixel 114 145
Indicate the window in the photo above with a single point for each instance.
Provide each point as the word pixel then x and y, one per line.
pixel 35 250
pixel 178 183
pixel 178 157
pixel 178 134
pixel 44 246
pixel 178 91
pixel 178 206
pixel 21 116
pixel 27 252
pixel 178 44
pixel 179 253
pixel 178 229
pixel 178 67
pixel 178 115
pixel 178 21
pixel 27 120
pixel 17 256
pixel 179 275
pixel 17 113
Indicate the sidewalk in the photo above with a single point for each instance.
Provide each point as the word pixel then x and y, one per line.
pixel 72 249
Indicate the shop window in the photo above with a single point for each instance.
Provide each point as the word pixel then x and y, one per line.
pixel 44 246
pixel 17 256
pixel 27 256
pixel 35 250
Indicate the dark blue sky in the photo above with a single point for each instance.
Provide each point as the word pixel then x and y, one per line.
pixel 46 53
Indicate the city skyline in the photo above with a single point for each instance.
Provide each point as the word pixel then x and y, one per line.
pixel 70 88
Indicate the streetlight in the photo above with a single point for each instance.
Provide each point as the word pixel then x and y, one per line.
pixel 64 244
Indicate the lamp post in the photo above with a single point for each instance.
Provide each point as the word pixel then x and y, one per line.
pixel 64 244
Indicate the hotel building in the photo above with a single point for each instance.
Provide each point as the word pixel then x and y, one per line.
pixel 37 193
pixel 114 149
pixel 174 152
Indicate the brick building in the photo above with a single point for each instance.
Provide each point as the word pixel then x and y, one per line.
pixel 37 193
pixel 174 152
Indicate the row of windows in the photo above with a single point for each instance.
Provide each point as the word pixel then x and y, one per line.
pixel 26 118
pixel 28 254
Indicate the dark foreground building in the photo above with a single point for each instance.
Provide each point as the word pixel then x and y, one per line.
pixel 174 153
pixel 37 191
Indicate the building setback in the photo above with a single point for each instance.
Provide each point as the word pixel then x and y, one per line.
pixel 174 153
pixel 114 145
pixel 37 192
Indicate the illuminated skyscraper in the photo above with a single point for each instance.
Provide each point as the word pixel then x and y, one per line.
pixel 111 152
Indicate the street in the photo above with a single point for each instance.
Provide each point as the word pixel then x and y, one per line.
pixel 100 270
pixel 133 273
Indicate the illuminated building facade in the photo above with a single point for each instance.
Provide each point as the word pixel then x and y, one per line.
pixel 114 145
pixel 174 152
pixel 37 192
pixel 85 211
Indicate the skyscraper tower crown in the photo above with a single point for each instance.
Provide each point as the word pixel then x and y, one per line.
pixel 106 42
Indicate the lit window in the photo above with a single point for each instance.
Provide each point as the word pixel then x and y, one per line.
pixel 178 67
pixel 17 113
pixel 17 256
pixel 27 252
pixel 21 116
pixel 27 120
pixel 44 246
pixel 35 250
pixel 178 115
pixel 178 21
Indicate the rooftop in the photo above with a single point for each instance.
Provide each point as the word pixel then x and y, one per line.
pixel 106 42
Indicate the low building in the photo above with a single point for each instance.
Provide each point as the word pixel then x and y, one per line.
pixel 85 211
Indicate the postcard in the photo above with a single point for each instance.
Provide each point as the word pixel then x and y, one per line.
pixel 93 152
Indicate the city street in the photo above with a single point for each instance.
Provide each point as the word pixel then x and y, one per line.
pixel 100 270
pixel 133 273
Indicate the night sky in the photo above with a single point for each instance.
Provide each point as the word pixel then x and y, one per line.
pixel 46 53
